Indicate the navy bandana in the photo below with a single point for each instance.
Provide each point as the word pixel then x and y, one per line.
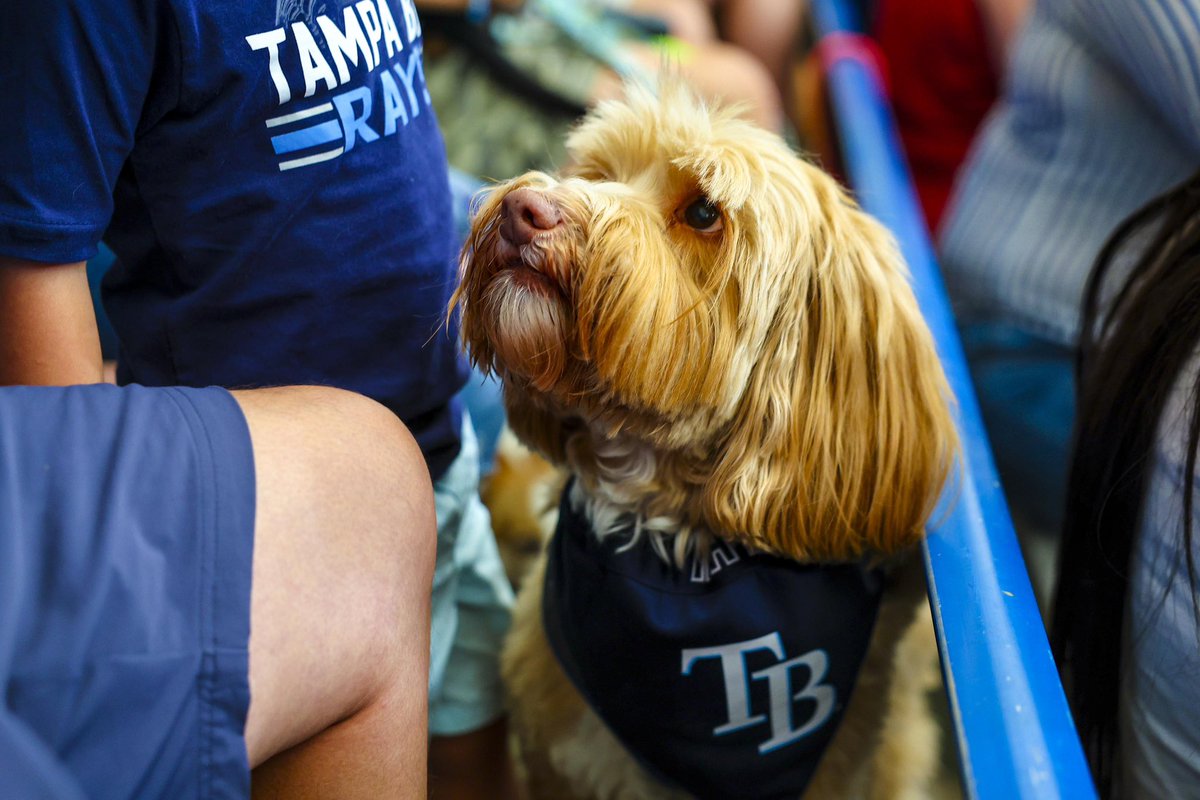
pixel 727 679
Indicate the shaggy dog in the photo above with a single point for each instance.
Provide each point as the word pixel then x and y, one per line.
pixel 724 353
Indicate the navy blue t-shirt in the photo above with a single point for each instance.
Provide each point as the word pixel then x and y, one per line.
pixel 270 175
pixel 727 679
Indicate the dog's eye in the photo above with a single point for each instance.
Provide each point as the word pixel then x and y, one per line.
pixel 585 173
pixel 703 215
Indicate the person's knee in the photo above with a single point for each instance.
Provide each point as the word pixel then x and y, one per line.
pixel 387 493
pixel 369 492
pixel 735 76
pixel 346 444
pixel 395 481
pixel 345 538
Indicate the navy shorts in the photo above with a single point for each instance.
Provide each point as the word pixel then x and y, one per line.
pixel 126 537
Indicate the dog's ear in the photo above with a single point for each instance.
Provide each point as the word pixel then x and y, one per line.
pixel 843 438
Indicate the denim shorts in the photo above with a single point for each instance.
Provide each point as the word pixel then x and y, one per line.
pixel 126 539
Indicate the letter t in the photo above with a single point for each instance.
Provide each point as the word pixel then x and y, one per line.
pixel 737 687
pixel 271 41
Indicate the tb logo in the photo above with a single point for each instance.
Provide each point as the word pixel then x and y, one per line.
pixel 784 730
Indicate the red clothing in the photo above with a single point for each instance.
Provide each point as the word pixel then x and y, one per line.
pixel 942 81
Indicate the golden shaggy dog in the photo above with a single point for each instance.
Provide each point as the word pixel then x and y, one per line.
pixel 724 353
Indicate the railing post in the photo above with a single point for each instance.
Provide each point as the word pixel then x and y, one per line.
pixel 1016 738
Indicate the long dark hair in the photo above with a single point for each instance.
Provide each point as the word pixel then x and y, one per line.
pixel 1132 350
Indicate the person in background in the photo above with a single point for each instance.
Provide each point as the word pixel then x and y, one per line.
pixel 1126 624
pixel 272 180
pixel 769 30
pixel 944 62
pixel 1100 111
pixel 509 83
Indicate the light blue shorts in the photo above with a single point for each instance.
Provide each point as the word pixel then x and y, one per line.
pixel 472 601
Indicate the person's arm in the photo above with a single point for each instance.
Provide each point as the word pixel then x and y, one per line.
pixel 48 333
pixel 1152 43
pixel 69 127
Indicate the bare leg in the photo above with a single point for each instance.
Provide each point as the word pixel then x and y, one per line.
pixel 343 562
pixel 768 29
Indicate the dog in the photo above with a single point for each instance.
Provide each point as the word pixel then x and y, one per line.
pixel 723 352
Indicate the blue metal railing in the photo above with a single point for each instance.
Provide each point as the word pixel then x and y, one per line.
pixel 1016 738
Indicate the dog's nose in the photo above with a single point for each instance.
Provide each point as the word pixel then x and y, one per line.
pixel 526 213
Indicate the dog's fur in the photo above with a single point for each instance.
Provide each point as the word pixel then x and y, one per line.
pixel 767 381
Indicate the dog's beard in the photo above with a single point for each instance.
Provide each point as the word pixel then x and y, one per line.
pixel 520 297
pixel 594 318
pixel 527 326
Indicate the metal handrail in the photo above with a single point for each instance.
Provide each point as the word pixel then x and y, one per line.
pixel 1015 734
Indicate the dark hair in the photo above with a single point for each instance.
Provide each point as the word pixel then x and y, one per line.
pixel 1132 350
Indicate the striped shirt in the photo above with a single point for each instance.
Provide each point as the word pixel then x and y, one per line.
pixel 1100 112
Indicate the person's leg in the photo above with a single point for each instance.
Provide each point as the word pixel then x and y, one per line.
pixel 767 28
pixel 127 554
pixel 343 559
pixel 125 567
